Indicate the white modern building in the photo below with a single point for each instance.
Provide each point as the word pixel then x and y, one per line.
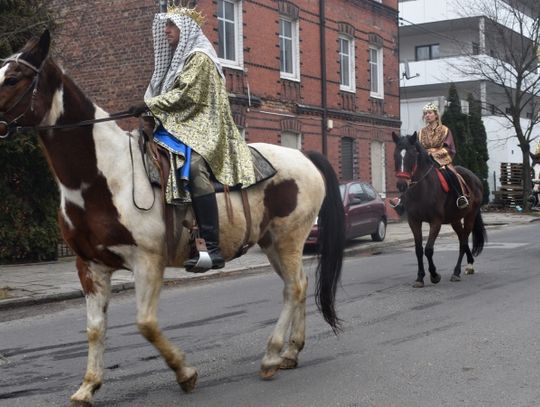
pixel 437 40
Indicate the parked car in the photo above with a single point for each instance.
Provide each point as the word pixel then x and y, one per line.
pixel 365 213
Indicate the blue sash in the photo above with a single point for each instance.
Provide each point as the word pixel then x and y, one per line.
pixel 175 146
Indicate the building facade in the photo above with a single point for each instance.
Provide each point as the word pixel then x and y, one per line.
pixel 314 75
pixel 437 40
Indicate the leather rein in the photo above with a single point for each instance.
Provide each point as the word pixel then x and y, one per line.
pixel 11 127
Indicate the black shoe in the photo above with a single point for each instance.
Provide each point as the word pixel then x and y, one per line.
pixel 206 213
pixel 462 202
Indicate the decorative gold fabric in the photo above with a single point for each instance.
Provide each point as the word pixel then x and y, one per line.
pixel 432 139
pixel 197 111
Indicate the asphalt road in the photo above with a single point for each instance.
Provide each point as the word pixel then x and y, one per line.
pixel 472 343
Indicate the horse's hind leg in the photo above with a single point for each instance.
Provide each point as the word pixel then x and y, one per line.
pixel 434 229
pixel 148 279
pixel 463 233
pixel 287 261
pixel 463 248
pixel 96 284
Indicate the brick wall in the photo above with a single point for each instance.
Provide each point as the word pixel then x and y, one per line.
pixel 106 47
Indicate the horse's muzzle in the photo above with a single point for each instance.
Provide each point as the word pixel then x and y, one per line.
pixel 402 185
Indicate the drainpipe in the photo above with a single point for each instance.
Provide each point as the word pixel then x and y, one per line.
pixel 323 78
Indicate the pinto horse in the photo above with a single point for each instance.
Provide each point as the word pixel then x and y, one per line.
pixel 425 201
pixel 100 215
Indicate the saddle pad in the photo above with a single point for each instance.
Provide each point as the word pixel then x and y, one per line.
pixel 442 180
pixel 263 170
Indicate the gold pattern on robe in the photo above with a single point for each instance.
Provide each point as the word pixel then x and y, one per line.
pixel 197 112
pixel 432 139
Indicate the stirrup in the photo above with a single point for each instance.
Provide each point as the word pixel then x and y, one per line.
pixel 462 202
pixel 395 205
pixel 204 263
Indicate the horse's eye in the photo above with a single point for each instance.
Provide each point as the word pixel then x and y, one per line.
pixel 11 81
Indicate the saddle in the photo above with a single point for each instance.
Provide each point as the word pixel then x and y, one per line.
pixel 180 225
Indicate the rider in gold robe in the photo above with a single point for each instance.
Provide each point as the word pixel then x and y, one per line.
pixel 187 96
pixel 437 139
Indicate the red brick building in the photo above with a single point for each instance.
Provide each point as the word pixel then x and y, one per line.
pixel 317 79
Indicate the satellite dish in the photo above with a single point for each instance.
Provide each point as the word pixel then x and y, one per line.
pixel 407 73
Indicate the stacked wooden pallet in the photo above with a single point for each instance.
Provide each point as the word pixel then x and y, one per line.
pixel 510 193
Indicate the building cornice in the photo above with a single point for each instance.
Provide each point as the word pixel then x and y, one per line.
pixel 349 116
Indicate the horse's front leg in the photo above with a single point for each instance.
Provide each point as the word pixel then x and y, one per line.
pixel 434 229
pixel 148 270
pixel 96 284
pixel 416 228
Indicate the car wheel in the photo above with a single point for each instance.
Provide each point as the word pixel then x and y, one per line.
pixel 380 234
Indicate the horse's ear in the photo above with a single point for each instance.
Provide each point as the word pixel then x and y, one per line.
pixel 36 51
pixel 414 138
pixel 395 137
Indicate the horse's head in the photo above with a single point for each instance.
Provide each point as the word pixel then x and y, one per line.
pixel 21 85
pixel 405 158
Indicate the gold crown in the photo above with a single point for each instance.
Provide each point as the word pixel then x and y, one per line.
pixel 195 15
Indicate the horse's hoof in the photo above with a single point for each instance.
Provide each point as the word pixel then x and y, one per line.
pixel 469 270
pixel 435 278
pixel 268 373
pixel 79 403
pixel 188 385
pixel 455 278
pixel 288 363
pixel 418 284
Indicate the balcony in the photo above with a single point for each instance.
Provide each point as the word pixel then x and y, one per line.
pixel 436 71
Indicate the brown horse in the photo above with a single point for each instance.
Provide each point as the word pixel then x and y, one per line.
pixel 425 201
pixel 108 219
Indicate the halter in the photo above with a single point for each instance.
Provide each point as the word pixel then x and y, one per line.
pixel 31 88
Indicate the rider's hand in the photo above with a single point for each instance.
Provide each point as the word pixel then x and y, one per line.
pixel 138 109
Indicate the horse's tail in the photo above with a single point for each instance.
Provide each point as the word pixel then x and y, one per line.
pixel 331 242
pixel 479 236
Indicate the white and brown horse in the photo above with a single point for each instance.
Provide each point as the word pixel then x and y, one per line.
pixel 107 230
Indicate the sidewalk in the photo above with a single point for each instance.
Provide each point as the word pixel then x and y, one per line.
pixel 30 284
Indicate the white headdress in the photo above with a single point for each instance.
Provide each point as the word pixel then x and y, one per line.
pixel 168 63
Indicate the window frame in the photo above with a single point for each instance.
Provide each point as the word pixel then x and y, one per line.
pixel 430 48
pixel 238 62
pixel 352 65
pixel 379 93
pixel 292 133
pixel 295 49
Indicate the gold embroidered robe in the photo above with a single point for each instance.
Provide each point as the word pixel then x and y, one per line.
pixel 197 112
pixel 439 143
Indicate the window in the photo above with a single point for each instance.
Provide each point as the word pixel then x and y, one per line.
pixel 346 63
pixel 475 48
pixel 289 49
pixel 376 72
pixel 347 158
pixel 230 43
pixel 378 166
pixel 292 140
pixel 425 52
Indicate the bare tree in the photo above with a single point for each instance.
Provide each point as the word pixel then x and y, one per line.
pixel 506 60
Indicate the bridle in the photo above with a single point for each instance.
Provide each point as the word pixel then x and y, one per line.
pixel 31 88
pixel 408 175
pixel 7 128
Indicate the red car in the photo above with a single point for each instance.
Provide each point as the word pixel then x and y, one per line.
pixel 365 213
